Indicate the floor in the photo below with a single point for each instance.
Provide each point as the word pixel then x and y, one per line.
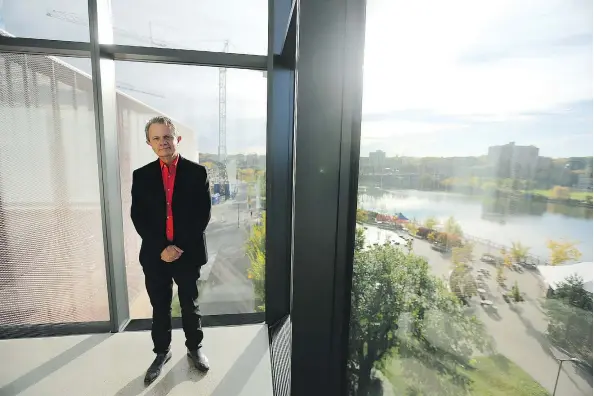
pixel 114 364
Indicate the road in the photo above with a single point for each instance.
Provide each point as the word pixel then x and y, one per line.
pixel 225 287
pixel 518 334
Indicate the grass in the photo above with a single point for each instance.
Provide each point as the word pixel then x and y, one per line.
pixel 578 195
pixel 492 376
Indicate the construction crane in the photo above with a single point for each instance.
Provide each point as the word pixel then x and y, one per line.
pixel 222 149
pixel 79 20
pixel 223 110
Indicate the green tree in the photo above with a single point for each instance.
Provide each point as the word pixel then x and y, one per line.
pixel 563 251
pixel 569 312
pixel 399 308
pixel 519 252
pixel 431 222
pixel 256 252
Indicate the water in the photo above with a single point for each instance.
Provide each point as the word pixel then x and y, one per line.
pixel 532 223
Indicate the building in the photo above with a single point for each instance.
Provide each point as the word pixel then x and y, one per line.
pixel 511 161
pixel 377 161
pixel 584 182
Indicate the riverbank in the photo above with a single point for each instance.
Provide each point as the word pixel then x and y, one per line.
pixel 499 221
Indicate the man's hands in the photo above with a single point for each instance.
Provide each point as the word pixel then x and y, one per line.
pixel 171 253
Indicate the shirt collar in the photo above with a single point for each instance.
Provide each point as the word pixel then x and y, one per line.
pixel 173 164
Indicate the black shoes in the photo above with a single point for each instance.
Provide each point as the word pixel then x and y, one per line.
pixel 199 359
pixel 155 369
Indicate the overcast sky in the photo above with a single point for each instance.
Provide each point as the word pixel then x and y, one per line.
pixel 441 78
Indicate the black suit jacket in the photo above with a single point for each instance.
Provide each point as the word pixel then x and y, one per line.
pixel 191 205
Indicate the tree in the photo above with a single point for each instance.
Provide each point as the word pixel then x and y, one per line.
pixel 431 222
pixel 399 308
pixel 561 192
pixel 453 227
pixel 362 216
pixel 489 187
pixel 412 228
pixel 519 252
pixel 563 251
pixel 500 277
pixel 256 252
pixel 462 282
pixel 569 311
pixel 463 255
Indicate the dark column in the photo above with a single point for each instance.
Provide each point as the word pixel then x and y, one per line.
pixel 279 167
pixel 329 82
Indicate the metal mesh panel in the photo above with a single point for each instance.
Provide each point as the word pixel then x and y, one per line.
pixel 280 350
pixel 52 267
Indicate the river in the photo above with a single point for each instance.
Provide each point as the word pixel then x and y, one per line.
pixel 532 223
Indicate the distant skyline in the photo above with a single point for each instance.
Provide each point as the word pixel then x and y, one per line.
pixel 440 78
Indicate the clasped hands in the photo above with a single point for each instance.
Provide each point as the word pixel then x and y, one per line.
pixel 171 253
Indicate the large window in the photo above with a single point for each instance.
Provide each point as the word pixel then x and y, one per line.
pixel 45 19
pixel 52 267
pixel 221 116
pixel 220 26
pixel 473 261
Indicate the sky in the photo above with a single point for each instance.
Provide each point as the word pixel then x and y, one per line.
pixel 440 78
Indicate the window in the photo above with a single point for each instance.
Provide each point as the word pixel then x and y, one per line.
pixel 232 281
pixel 473 262
pixel 53 20
pixel 52 266
pixel 219 26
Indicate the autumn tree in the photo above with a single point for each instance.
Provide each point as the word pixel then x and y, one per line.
pixel 256 252
pixel 399 310
pixel 462 282
pixel 563 251
pixel 412 228
pixel 519 252
pixel 561 192
pixel 452 227
pixel 362 216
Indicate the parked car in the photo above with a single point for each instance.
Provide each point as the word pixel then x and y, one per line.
pixel 488 258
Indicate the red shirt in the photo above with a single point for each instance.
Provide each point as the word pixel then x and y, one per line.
pixel 168 173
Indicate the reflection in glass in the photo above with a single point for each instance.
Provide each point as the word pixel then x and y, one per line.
pixel 473 258
pixel 52 267
pixel 223 26
pixel 232 281
pixel 47 19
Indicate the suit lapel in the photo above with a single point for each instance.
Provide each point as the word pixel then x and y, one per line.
pixel 179 174
pixel 157 185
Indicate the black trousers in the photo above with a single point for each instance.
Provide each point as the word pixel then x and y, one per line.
pixel 159 277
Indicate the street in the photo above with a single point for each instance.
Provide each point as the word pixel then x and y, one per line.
pixel 225 287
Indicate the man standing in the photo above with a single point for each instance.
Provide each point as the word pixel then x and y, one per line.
pixel 171 206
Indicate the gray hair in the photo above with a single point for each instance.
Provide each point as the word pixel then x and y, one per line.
pixel 159 120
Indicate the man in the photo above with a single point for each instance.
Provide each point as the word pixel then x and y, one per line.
pixel 171 206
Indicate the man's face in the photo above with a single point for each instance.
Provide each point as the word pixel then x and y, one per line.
pixel 162 141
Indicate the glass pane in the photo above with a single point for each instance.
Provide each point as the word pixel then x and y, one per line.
pixel 52 267
pixel 221 26
pixel 48 19
pixel 189 95
pixel 473 267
